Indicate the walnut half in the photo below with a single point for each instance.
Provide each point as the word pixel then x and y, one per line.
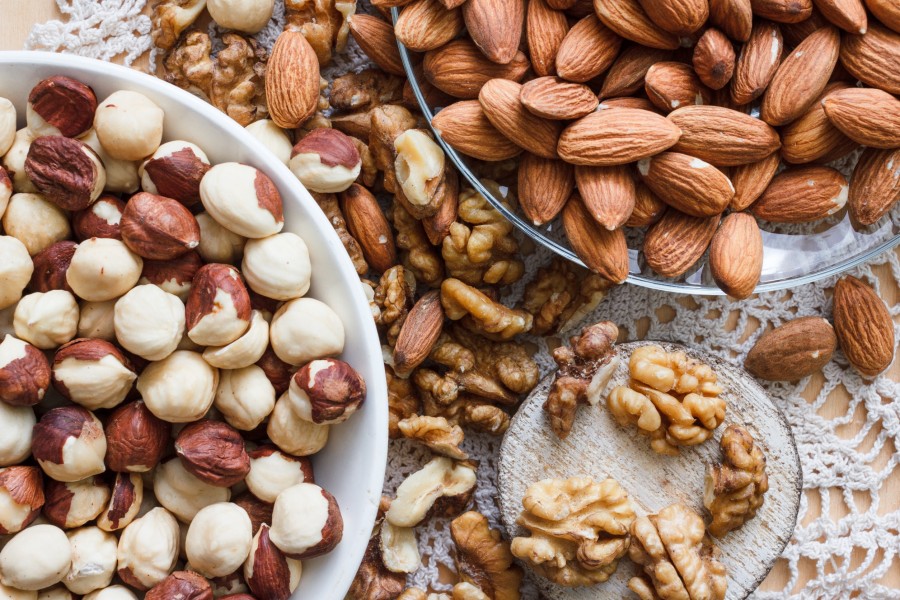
pixel 483 558
pixel 734 490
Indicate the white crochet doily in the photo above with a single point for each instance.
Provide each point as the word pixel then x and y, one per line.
pixel 850 554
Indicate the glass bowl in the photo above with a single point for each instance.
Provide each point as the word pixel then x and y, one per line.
pixel 793 255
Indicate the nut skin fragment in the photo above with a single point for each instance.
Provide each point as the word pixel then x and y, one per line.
pixel 735 489
pixel 483 558
pixel 488 317
pixel 562 294
pixel 579 529
pixel 583 372
pixel 436 433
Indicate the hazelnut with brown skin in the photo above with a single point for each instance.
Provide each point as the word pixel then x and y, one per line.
pixel 259 512
pixel 184 585
pixel 327 391
pixel 173 276
pixel 148 549
pixel 24 373
pixel 278 371
pixel 102 219
pixel 326 161
pixel 92 373
pixel 69 444
pixel 158 228
pixel 21 496
pixel 50 266
pixel 125 500
pixel 306 521
pixel 242 199
pixel 175 171
pixel 60 105
pixel 66 171
pixel 218 306
pixel 136 439
pixel 213 452
pixel 70 505
pixel 268 572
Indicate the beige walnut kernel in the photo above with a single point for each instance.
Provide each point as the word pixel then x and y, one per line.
pixel 481 313
pixel 394 296
pixel 735 489
pixel 483 558
pixel 436 433
pixel 561 295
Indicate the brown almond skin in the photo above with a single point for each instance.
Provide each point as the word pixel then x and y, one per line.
pixel 608 194
pixel 368 225
pixel 426 24
pixel 813 137
pixel 292 80
pixel 849 15
pixel 670 85
pixel 545 30
pixel 793 350
pixel 723 137
pixel 419 333
pixel 677 241
pixel 553 98
pixel 886 11
pixel 872 58
pixel 213 452
pixel 376 38
pixel 863 326
pixel 714 59
pixel 158 228
pixel 757 63
pixel 736 255
pixel 495 26
pixel 545 185
pixel 802 194
pixel 783 11
pixel 734 17
pixel 626 75
pixel 499 99
pixel 628 19
pixel 460 69
pixel 467 129
pixel 874 185
pixel 588 50
pixel 602 251
pixel 616 136
pixel 751 180
pixel 65 103
pixel 868 116
pixel 681 17
pixel 687 184
pixel 648 208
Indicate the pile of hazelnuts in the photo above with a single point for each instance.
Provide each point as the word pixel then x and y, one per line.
pixel 166 379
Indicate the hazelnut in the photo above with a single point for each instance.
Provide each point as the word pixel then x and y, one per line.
pixel 233 583
pixel 182 493
pixel 268 572
pixel 242 199
pixel 183 585
pixel 306 329
pixel 136 439
pixel 6 190
pixel 180 388
pixel 245 350
pixel 266 131
pixel 213 452
pixel 102 219
pixel 48 319
pixel 217 244
pixel 326 161
pixel 218 307
pixel 18 425
pixel 24 373
pixel 293 434
pixel 72 504
pixel 237 597
pixel 158 228
pixel 175 171
pixel 35 221
pixel 35 558
pixel 14 160
pixel 96 320
pixel 259 512
pixel 245 397
pixel 277 266
pixel 103 269
pixel 69 444
pixel 60 105
pixel 129 125
pixel 277 371
pixel 113 592
pixel 16 269
pixel 249 16
pixel 125 500
pixel 121 175
pixel 173 276
pixel 326 391
pixel 419 166
pixel 93 560
pixel 68 172
pixel 273 471
pixel 218 540
pixel 148 549
pixel 50 266
pixel 57 592
pixel 149 322
pixel 92 373
pixel 7 125
pixel 21 497
pixel 306 521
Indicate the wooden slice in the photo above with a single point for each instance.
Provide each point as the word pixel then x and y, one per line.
pixel 600 448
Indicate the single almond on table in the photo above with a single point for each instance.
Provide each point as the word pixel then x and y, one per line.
pixel 626 75
pixel 795 350
pixel 751 180
pixel 460 69
pixel 616 136
pixel 545 30
pixel 648 208
pixel 757 63
pixel 801 195
pixel 426 24
pixel 368 226
pixel 722 136
pixel 886 11
pixel 736 255
pixel 553 98
pixel 670 85
pixel 782 11
pixel 465 127
pixel 588 50
pixel 813 137
pixel 849 15
pixel 734 17
pixel 377 40
pixel 868 116
pixel 495 26
pixel 873 58
pixel 607 193
pixel 874 185
pixel 677 241
pixel 686 183
pixel 603 251
pixel 499 99
pixel 545 185
pixel 681 17
pixel 713 59
pixel 628 19
pixel 292 80
pixel 420 330
pixel 863 326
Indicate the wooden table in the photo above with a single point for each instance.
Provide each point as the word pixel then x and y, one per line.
pixel 17 19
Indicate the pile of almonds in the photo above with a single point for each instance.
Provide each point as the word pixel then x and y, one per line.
pixel 691 118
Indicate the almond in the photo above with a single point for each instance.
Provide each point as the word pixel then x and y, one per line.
pixel 757 63
pixel 713 59
pixel 863 326
pixel 553 98
pixel 545 29
pixel 544 186
pixel 801 78
pixel 465 127
pixel 722 136
pixel 868 116
pixel 499 99
pixel 677 241
pixel 616 136
pixel 849 15
pixel 376 38
pixel 628 19
pixel 495 26
pixel 783 11
pixel 626 75
pixel 670 85
pixel 873 58
pixel 639 103
pixel 802 194
pixel 460 69
pixel 607 193
pixel 681 17
pixel 292 80
pixel 688 184
pixel 734 17
pixel 886 11
pixel 874 185
pixel 792 351
pixel 450 4
pixel 561 4
pixel 601 250
pixel 426 24
pixel 420 330
pixel 794 33
pixel 587 50
pixel 736 255
pixel 368 226
pixel 813 137
pixel 648 208
pixel 751 180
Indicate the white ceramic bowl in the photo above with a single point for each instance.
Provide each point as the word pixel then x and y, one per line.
pixel 352 464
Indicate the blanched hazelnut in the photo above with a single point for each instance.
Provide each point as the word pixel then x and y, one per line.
pixel 60 105
pixel 245 397
pixel 73 504
pixel 277 266
pixel 249 16
pixel 218 244
pixel 103 269
pixel 182 493
pixel 18 425
pixel 69 444
pixel 272 472
pixel 113 592
pixel 242 199
pixel 93 560
pixel 173 276
pixel 50 266
pixel 293 434
pixel 14 160
pixel 96 320
pixel 102 219
pixel 326 391
pixel 6 190
pixel 48 319
pixel 175 171
pixel 269 573
pixel 158 228
pixel 121 175
pixel 180 388
pixel 149 322
pixel 326 161
pixel 306 329
pixel 66 171
pixel 129 125
pixel 218 306
pixel 21 497
pixel 125 499
pixel 213 452
pixel 218 540
pixel 35 558
pixel 181 585
pixel 35 221
pixel 92 373
pixel 24 373
pixel 148 549
pixel 7 125
pixel 57 592
pixel 245 350
pixel 272 137
pixel 306 521
pixel 16 269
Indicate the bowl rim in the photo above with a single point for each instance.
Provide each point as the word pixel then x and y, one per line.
pixel 376 387
pixel 636 279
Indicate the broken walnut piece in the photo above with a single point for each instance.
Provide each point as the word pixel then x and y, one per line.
pixel 735 489
pixel 403 401
pixel 483 558
pixel 579 529
pixel 394 295
pixel 679 559
pixel 388 122
pixel 170 18
pixel 583 372
pixel 435 433
pixel 416 252
pixel 483 314
pixel 365 90
pixel 561 295
pixel 373 580
pixel 322 22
